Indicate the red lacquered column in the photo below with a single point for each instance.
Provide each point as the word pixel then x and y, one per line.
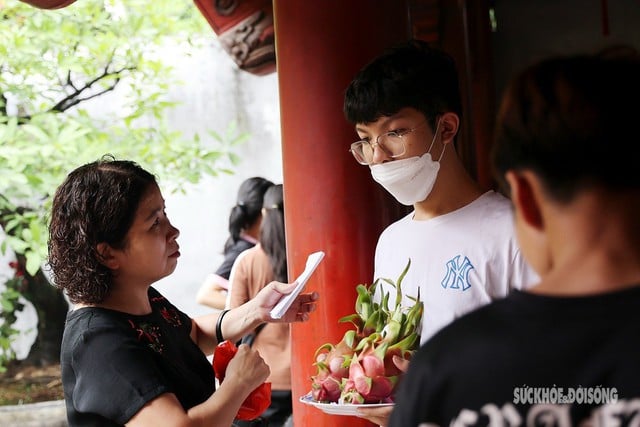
pixel 331 202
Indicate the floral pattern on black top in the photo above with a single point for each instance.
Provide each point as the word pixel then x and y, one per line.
pixel 171 316
pixel 150 334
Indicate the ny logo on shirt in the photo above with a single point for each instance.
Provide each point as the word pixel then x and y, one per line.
pixel 457 274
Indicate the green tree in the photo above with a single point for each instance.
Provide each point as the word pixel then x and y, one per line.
pixel 53 65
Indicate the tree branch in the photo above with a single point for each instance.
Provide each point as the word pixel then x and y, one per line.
pixel 74 98
pixel 78 100
pixel 3 104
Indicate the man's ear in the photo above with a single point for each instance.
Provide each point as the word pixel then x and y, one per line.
pixel 449 125
pixel 107 258
pixel 525 198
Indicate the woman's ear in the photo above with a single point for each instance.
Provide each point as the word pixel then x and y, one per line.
pixel 449 125
pixel 525 198
pixel 107 258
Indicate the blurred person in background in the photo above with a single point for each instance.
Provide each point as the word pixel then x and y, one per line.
pixel 244 226
pixel 253 270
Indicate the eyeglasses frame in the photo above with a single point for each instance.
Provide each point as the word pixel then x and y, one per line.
pixel 375 143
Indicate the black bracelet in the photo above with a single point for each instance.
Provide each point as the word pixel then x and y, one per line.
pixel 219 326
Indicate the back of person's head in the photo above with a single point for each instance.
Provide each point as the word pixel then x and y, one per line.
pixel 572 121
pixel 247 209
pixel 272 236
pixel 95 204
pixel 410 74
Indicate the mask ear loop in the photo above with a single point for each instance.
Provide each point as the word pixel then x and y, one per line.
pixel 435 135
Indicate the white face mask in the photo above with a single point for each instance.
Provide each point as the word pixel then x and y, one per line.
pixel 409 180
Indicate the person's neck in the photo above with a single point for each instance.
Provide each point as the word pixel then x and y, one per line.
pixel 594 247
pixel 127 300
pixel 252 233
pixel 454 188
pixel 594 274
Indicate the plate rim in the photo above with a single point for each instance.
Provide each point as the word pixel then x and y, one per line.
pixel 351 407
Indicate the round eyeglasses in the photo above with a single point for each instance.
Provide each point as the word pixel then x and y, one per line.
pixel 391 143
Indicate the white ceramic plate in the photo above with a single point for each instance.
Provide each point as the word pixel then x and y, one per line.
pixel 338 409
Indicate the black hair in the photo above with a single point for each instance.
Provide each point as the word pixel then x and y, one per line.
pixel 410 74
pixel 572 120
pixel 95 204
pixel 247 209
pixel 272 233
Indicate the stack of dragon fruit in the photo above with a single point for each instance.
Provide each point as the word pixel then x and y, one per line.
pixel 360 368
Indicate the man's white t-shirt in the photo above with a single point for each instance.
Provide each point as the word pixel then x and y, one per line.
pixel 459 261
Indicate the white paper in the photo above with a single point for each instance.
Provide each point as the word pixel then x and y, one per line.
pixel 285 302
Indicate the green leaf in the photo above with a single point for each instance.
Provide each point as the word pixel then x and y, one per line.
pixel 6 305
pixel 34 261
pixel 39 134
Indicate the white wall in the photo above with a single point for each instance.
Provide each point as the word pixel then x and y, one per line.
pixel 215 93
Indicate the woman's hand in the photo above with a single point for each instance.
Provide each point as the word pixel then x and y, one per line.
pixel 269 296
pixel 245 318
pixel 247 368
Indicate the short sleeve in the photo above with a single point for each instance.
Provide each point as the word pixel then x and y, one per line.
pixel 224 270
pixel 125 372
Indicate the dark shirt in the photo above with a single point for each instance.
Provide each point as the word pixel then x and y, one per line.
pixel 230 256
pixel 113 363
pixel 499 365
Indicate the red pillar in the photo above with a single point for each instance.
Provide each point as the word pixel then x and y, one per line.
pixel 331 202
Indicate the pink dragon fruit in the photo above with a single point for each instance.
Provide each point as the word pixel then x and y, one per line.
pixel 369 376
pixel 361 365
pixel 333 365
pixel 326 388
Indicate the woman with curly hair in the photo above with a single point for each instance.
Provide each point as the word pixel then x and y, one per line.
pixel 128 355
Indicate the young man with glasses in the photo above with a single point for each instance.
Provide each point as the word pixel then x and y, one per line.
pixel 406 109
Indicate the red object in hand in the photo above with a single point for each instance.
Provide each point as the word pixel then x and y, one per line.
pixel 258 400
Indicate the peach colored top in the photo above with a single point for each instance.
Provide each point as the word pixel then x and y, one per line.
pixel 251 272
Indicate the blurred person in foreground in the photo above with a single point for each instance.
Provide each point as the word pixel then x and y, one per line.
pixel 563 352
